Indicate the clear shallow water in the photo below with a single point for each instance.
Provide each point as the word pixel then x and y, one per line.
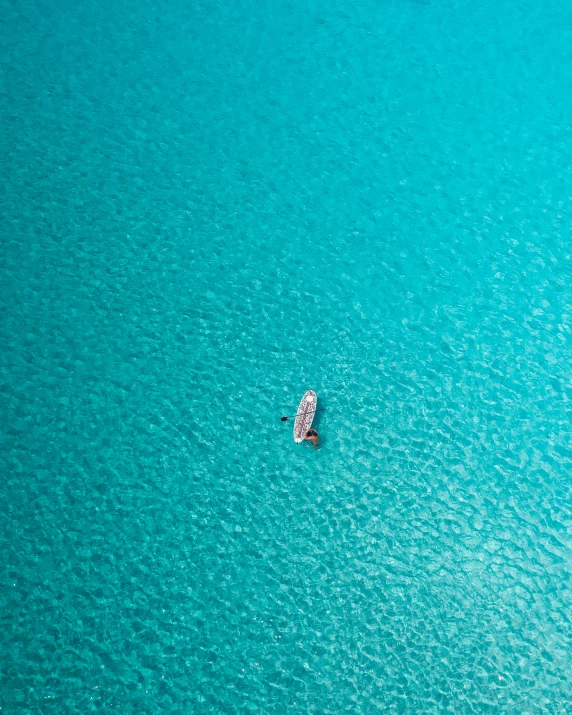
pixel 209 209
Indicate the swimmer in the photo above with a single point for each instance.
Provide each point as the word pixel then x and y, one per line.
pixel 312 436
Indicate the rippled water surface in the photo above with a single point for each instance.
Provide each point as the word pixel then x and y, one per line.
pixel 209 208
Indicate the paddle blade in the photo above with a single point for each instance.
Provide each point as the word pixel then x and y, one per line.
pixel 283 419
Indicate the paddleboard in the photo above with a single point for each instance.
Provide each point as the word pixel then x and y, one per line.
pixel 305 415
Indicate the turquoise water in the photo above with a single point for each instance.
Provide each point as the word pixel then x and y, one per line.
pixel 209 208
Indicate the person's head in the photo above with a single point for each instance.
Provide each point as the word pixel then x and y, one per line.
pixel 311 433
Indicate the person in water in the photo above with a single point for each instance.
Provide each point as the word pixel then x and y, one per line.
pixel 312 436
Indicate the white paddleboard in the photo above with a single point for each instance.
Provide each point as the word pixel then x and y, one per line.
pixel 305 415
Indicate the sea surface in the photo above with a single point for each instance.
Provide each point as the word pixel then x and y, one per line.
pixel 209 207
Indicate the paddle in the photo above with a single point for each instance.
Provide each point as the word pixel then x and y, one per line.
pixel 283 419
